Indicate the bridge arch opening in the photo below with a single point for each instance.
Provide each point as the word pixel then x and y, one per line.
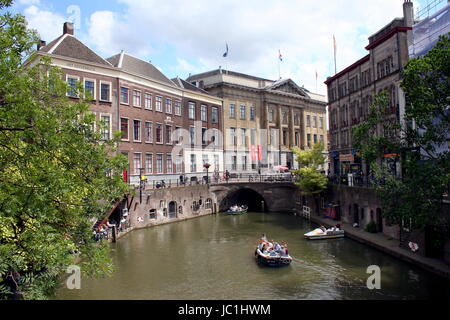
pixel 245 196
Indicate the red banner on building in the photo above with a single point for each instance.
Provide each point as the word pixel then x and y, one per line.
pixel 253 153
pixel 125 175
pixel 259 152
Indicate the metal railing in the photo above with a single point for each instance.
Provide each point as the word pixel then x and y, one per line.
pixel 203 180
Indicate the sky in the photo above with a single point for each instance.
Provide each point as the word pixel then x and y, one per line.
pixel 182 37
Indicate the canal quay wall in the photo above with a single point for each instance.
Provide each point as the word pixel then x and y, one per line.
pixel 161 206
pixel 360 205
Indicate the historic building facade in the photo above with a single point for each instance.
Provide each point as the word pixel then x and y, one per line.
pixel 351 91
pixel 263 119
pixel 132 96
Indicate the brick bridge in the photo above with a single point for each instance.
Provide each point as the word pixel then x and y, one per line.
pixel 275 196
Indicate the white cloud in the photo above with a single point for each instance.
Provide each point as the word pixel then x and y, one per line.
pixel 47 23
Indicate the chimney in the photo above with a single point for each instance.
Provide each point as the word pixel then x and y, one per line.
pixel 408 19
pixel 68 28
pixel 41 44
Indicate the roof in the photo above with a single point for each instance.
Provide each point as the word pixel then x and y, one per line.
pixel 135 65
pixel 186 85
pixel 222 71
pixel 69 46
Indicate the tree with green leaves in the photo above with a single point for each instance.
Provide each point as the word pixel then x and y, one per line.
pixel 57 176
pixel 420 142
pixel 310 180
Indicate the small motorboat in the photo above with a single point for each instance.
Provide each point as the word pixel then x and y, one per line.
pixel 237 210
pixel 319 233
pixel 272 258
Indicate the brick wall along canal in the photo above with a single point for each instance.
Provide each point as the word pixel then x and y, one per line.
pixel 211 257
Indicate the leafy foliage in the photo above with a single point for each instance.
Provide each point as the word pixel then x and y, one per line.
pixel 421 142
pixel 310 179
pixel 57 176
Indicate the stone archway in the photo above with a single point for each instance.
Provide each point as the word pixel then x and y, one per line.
pixel 244 196
pixel 173 210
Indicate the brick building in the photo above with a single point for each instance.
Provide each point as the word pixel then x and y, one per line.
pixel 132 96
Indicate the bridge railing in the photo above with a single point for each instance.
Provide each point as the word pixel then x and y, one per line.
pixel 234 178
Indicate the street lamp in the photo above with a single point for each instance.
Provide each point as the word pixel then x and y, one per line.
pixel 206 166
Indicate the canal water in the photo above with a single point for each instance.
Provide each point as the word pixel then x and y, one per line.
pixel 212 257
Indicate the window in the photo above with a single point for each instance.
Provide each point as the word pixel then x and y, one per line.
pixel 148 131
pixel 169 163
pixel 137 130
pixel 159 163
pixel 106 127
pixel 191 111
pixel 205 159
pixel 158 103
pixel 321 123
pixel 169 105
pixel 271 115
pixel 159 133
pixel 124 95
pixel 204 113
pixel 252 137
pixel 136 98
pixel 242 112
pixel 233 138
pixel 179 164
pixel 137 162
pixel 215 137
pixel 321 138
pixel 192 135
pixel 105 91
pixel 252 113
pixel 308 121
pixel 89 89
pixel 148 101
pixel 168 134
pixel 285 137
pixel 232 111
pixel 193 163
pixel 315 138
pixel 214 115
pixel 243 136
pixel 297 139
pixel 124 128
pixel 204 137
pixel 296 119
pixel 244 163
pixel 149 163
pixel 273 137
pixel 178 108
pixel 314 118
pixel 233 162
pixel 308 137
pixel 178 133
pixel 73 91
pixel 284 117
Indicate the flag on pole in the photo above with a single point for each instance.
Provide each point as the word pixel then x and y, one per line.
pixel 226 53
pixel 279 55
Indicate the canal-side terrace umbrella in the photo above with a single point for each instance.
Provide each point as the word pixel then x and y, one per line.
pixel 281 168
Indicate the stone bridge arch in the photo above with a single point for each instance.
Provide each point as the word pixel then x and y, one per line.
pixel 277 197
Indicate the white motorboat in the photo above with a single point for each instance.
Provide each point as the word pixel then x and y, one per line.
pixel 327 234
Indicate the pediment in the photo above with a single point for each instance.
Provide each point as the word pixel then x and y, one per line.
pixel 289 86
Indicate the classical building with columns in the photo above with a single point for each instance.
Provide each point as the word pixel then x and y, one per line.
pixel 263 119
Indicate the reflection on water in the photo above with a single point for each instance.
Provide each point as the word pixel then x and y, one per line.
pixel 212 258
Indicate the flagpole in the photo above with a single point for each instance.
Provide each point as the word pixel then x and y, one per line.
pixel 335 65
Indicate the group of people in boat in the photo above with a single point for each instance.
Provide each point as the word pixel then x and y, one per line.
pixel 337 227
pixel 272 247
pixel 237 208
